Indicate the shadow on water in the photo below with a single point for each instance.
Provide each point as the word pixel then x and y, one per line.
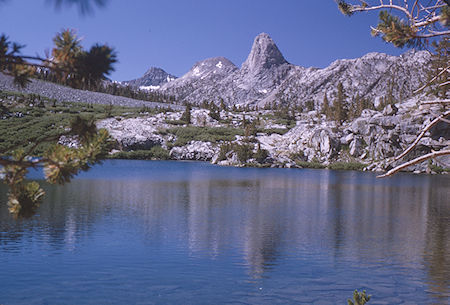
pixel 303 234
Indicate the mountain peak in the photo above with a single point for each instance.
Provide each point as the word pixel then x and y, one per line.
pixel 152 77
pixel 264 54
pixel 214 65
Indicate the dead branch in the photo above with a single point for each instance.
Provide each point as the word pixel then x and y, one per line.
pixel 362 8
pixel 415 161
pixel 428 127
pixel 432 80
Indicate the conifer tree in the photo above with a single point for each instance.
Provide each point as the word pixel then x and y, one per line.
pixel 214 112
pixel 222 104
pixel 440 59
pixel 326 110
pixel 340 108
pixel 186 116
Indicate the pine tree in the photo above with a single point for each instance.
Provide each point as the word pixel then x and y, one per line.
pixel 214 111
pixel 326 110
pixel 357 107
pixel 186 116
pixel 439 68
pixel 67 49
pixel 340 108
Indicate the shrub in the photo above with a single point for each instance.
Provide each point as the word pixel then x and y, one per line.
pixel 352 166
pixel 186 116
pixel 156 152
pixel 243 151
pixel 207 134
pixel 313 164
pixel 26 124
pixel 436 168
pixel 298 156
pixel 359 298
pixel 261 154
pixel 224 150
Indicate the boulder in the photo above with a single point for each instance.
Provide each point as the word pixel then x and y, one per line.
pixel 195 150
pixel 356 147
pixel 324 141
pixel 360 126
pixel 133 133
pixel 390 109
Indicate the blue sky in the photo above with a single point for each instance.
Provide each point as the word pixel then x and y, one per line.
pixel 175 34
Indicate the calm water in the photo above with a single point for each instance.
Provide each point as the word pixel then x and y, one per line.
pixel 140 232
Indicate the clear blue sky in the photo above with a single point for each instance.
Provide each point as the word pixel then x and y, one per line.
pixel 175 34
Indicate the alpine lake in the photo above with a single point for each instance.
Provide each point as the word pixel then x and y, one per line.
pixel 165 232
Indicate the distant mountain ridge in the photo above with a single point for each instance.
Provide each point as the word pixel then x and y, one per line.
pixel 153 78
pixel 267 77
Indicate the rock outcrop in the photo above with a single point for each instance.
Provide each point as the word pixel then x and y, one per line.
pixel 372 139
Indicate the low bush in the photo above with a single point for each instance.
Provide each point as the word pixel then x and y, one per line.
pixel 25 121
pixel 437 169
pixel 224 150
pixel 350 166
pixel 313 164
pixel 207 134
pixel 155 153
pixel 243 152
pixel 261 155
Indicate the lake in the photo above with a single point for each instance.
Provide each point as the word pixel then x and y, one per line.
pixel 161 232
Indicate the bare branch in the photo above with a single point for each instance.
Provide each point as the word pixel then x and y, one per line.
pixel 432 34
pixel 432 80
pixel 381 6
pixel 427 22
pixel 415 161
pixel 428 127
pixel 414 7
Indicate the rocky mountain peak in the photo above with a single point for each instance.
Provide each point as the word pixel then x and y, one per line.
pixel 152 78
pixel 214 65
pixel 264 54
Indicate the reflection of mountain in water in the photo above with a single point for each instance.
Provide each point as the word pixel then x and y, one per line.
pixel 263 216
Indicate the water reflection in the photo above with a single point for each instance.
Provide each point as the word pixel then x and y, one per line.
pixel 259 218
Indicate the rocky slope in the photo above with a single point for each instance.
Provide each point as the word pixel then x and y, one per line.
pixel 369 141
pixel 203 80
pixel 63 93
pixel 266 77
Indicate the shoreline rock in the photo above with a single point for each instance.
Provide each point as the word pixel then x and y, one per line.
pixel 372 139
